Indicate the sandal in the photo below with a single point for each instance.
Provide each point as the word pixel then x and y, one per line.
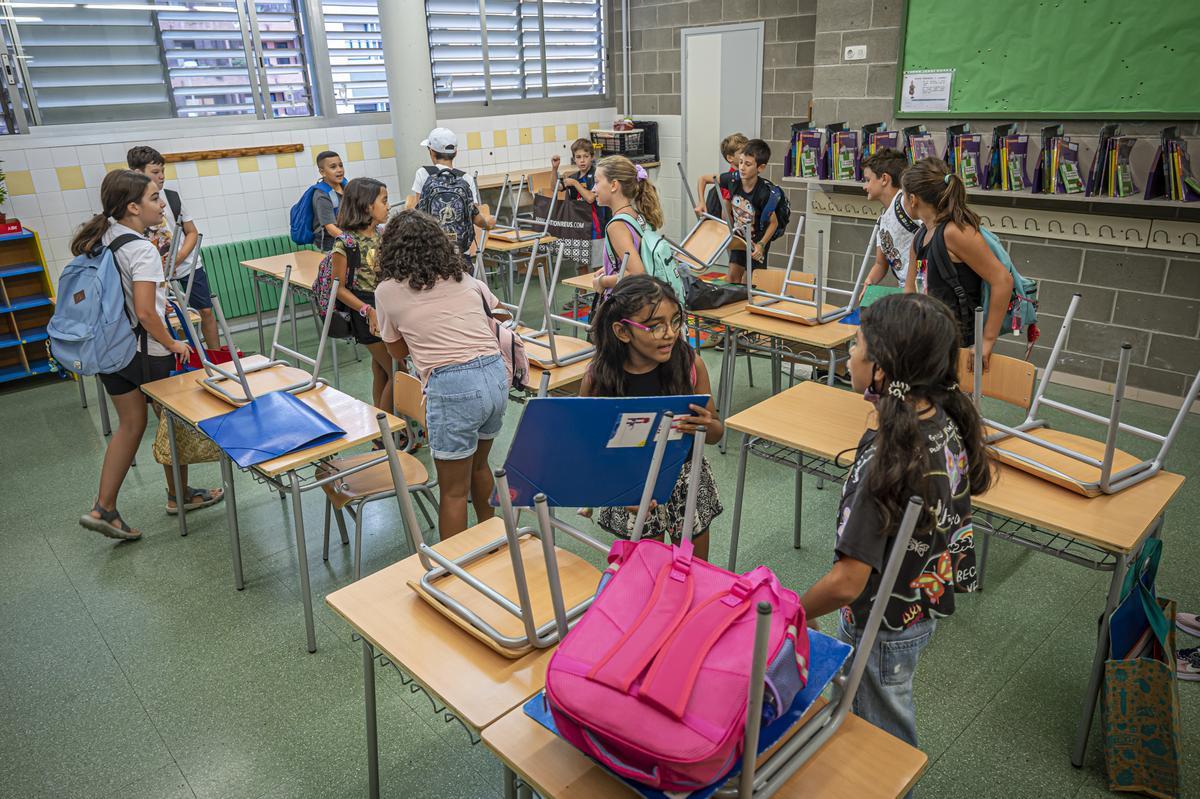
pixel 196 498
pixel 109 524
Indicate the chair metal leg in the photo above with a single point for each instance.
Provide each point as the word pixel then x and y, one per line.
pixel 105 425
pixel 325 538
pixel 340 516
pixel 357 515
pixel 372 725
pixel 421 507
pixel 82 392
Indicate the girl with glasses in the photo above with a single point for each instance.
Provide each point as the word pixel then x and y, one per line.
pixel 641 351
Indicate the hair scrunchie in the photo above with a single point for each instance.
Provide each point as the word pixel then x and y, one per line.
pixel 898 389
pixel 946 178
pixel 641 171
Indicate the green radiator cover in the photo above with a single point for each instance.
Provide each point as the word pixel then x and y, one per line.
pixel 231 282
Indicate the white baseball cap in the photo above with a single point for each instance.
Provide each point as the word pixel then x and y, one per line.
pixel 442 140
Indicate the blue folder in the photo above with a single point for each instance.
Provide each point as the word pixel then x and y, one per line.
pixel 270 426
pixel 826 658
pixel 561 449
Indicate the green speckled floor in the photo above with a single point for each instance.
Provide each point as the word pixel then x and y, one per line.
pixel 136 670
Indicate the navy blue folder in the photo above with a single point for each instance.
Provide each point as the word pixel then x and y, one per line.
pixel 561 449
pixel 270 426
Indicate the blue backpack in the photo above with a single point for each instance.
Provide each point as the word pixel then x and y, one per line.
pixel 91 331
pixel 302 213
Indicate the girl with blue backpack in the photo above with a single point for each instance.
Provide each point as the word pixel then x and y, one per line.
pixel 625 190
pixel 131 204
pixel 953 259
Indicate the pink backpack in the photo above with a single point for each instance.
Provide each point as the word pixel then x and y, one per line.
pixel 512 348
pixel 653 681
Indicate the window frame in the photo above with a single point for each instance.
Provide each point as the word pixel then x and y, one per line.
pixel 544 104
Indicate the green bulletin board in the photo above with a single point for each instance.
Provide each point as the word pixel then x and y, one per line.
pixel 1058 58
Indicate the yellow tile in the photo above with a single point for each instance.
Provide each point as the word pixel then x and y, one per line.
pixel 593 126
pixel 115 165
pixel 69 177
pixel 549 133
pixel 285 160
pixel 526 135
pixel 206 169
pixel 248 163
pixel 354 151
pixel 474 141
pixel 170 172
pixel 499 138
pixel 19 182
pixel 387 148
pixel 572 132
pixel 317 149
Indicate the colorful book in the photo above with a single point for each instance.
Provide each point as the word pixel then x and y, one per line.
pixel 826 164
pixel 1098 173
pixel 809 147
pixel 1045 171
pixel 845 160
pixel 1122 170
pixel 964 151
pixel 995 170
pixel 791 160
pixel 1171 173
pixel 1014 151
pixel 918 143
pixel 880 140
pixel 1070 179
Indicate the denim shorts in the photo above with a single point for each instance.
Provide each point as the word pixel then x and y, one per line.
pixel 201 296
pixel 464 403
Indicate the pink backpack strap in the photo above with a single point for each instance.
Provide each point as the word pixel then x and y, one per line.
pixel 669 683
pixel 670 599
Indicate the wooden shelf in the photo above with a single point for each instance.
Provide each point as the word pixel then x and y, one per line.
pixel 26 305
pixel 20 269
pixel 233 152
pixel 26 336
pixel 1068 199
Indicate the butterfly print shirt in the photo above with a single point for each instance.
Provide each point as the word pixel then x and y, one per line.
pixel 940 559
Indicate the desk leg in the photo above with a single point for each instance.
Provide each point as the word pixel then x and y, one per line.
pixel 510 783
pixel 512 278
pixel 1079 750
pixel 302 559
pixel 262 342
pixel 179 486
pixel 105 426
pixel 798 510
pixel 524 791
pixel 372 725
pixel 743 457
pixel 231 519
pixel 985 540
pixel 82 392
pixel 726 405
pixel 776 366
pixel 829 378
pixel 295 330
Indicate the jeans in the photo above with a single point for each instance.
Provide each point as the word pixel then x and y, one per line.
pixel 885 695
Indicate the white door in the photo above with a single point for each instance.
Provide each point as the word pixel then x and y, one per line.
pixel 722 94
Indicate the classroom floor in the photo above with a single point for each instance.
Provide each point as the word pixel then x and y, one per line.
pixel 135 670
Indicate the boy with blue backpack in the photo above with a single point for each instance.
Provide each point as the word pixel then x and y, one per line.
pixel 757 202
pixel 314 216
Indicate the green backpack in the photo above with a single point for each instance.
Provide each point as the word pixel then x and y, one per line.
pixel 655 252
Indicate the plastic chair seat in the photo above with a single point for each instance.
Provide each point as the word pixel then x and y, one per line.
pixel 375 480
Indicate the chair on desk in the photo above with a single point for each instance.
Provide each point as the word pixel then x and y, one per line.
pixel 352 494
pixel 1084 465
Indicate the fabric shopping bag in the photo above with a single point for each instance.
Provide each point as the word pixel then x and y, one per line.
pixel 1142 748
pixel 571 224
pixel 192 446
pixel 272 425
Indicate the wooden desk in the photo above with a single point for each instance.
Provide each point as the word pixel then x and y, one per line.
pixel 477 683
pixel 807 426
pixel 184 399
pixel 560 377
pixel 304 265
pixel 554 768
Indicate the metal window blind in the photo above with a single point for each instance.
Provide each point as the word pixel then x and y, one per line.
pixel 356 63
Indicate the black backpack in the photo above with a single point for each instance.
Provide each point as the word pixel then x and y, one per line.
pixel 447 197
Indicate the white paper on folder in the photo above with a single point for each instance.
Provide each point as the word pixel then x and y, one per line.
pixel 633 430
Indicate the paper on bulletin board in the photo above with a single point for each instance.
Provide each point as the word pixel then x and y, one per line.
pixel 926 90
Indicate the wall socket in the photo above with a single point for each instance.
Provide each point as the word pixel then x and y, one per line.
pixel 856 53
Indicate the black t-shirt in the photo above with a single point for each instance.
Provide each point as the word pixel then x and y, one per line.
pixel 600 215
pixel 940 561
pixel 747 206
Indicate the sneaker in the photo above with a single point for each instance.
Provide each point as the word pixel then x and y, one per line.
pixel 1189 623
pixel 1187 664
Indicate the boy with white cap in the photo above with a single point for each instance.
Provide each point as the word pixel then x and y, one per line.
pixel 443 146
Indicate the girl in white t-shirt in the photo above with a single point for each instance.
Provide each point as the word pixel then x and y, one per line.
pixel 429 306
pixel 131 203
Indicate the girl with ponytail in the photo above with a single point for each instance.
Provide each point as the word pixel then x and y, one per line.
pixel 625 190
pixel 928 441
pixel 130 204
pixel 952 259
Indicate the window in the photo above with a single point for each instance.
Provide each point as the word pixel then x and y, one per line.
pixel 490 50
pixel 355 55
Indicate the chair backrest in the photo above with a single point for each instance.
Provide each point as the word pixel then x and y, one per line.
pixel 1007 379
pixel 409 398
pixel 771 280
pixel 541 182
pixel 707 240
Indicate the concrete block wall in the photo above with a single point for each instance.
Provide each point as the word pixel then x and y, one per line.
pixel 789 29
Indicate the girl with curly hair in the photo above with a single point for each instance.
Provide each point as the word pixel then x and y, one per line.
pixel 430 307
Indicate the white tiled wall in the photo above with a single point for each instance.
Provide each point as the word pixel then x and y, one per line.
pixel 54 180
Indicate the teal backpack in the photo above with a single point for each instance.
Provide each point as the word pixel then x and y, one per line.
pixel 655 252
pixel 1023 305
